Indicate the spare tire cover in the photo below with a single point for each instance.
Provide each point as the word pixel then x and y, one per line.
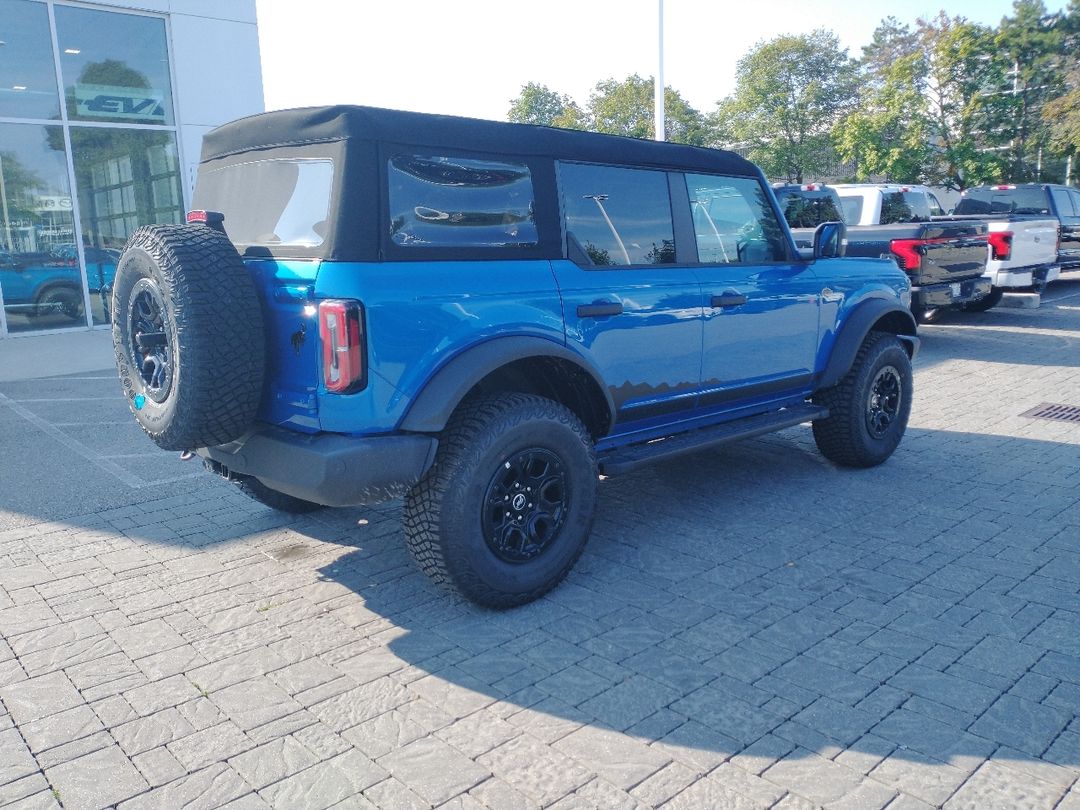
pixel 188 336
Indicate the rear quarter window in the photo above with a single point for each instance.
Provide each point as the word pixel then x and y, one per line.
pixel 276 202
pixel 460 202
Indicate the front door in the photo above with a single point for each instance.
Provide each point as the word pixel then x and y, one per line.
pixel 760 303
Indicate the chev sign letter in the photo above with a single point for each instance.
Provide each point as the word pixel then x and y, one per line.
pixel 133 103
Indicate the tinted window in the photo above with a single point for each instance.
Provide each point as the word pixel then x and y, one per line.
pixel 458 202
pixel 904 206
pixel 1063 202
pixel 270 202
pixel 733 221
pixel 1003 201
pixel 617 217
pixel 808 209
pixel 1076 203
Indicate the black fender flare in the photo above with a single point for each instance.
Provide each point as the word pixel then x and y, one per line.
pixel 431 409
pixel 854 330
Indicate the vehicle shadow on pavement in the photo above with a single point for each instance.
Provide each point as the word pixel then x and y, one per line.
pixel 758 603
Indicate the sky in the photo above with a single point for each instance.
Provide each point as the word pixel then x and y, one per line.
pixel 472 57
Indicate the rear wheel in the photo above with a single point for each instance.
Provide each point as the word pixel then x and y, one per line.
pixel 987 302
pixel 506 509
pixel 869 407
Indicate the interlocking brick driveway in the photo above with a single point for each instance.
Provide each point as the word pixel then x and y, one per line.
pixel 750 627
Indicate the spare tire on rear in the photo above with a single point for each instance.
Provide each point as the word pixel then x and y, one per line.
pixel 188 336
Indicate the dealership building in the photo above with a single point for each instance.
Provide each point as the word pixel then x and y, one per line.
pixel 103 106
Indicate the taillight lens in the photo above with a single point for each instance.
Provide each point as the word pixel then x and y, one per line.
pixel 1001 245
pixel 341 332
pixel 907 250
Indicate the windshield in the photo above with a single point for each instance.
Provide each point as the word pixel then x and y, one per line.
pixel 282 201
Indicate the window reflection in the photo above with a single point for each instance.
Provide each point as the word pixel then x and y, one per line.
pixel 115 66
pixel 125 178
pixel 734 221
pixel 617 217
pixel 27 73
pixel 457 202
pixel 39 269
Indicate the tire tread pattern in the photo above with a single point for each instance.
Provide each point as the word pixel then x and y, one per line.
pixel 220 352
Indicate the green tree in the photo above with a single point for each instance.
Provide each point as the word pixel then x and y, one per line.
pixel 887 137
pixel 538 104
pixel 1029 48
pixel 961 63
pixel 627 108
pixel 1062 115
pixel 790 93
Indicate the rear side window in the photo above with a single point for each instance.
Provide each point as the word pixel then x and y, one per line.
pixel 460 202
pixel 851 207
pixel 733 221
pixel 277 202
pixel 617 217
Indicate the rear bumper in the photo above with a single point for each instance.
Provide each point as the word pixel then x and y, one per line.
pixel 328 468
pixel 933 296
pixel 1024 277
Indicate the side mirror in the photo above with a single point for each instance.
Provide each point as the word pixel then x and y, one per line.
pixel 830 240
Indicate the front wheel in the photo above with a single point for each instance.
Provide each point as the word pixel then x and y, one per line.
pixel 506 509
pixel 67 301
pixel 869 407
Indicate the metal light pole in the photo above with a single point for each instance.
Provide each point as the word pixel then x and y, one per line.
pixel 658 85
pixel 599 200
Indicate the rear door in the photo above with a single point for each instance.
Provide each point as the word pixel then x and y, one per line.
pixel 1067 203
pixel 760 303
pixel 629 299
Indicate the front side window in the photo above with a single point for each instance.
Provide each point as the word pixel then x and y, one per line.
pixel 460 203
pixel 281 202
pixel 1063 202
pixel 733 221
pixel 617 217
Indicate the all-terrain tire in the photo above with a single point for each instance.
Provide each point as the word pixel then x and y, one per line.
pixel 869 407
pixel 987 302
pixel 188 336
pixel 257 490
pixel 492 445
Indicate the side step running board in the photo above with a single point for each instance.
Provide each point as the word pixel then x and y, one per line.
pixel 628 458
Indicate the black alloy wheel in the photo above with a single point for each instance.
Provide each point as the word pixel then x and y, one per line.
pixel 883 404
pixel 525 505
pixel 149 347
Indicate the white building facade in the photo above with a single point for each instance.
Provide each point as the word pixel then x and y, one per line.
pixel 103 106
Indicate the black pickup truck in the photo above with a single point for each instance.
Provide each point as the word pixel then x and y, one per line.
pixel 944 258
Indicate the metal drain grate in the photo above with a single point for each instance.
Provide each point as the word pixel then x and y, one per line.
pixel 1059 413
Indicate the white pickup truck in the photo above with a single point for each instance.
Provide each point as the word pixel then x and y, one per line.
pixel 1023 248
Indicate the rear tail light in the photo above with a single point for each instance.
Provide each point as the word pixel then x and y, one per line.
pixel 1004 188
pixel 810 187
pixel 341 332
pixel 212 219
pixel 1001 245
pixel 909 251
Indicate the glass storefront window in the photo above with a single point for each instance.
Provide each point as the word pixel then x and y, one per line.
pixel 27 73
pixel 125 178
pixel 40 279
pixel 115 66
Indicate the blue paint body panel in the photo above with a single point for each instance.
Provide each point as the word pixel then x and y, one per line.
pixel 671 361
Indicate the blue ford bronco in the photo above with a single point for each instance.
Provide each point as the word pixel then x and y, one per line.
pixel 484 318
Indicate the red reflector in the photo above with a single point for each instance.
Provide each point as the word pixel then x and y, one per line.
pixel 342 336
pixel 1004 188
pixel 908 250
pixel 1001 245
pixel 196 216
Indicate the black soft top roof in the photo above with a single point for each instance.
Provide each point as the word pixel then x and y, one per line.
pixel 312 125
